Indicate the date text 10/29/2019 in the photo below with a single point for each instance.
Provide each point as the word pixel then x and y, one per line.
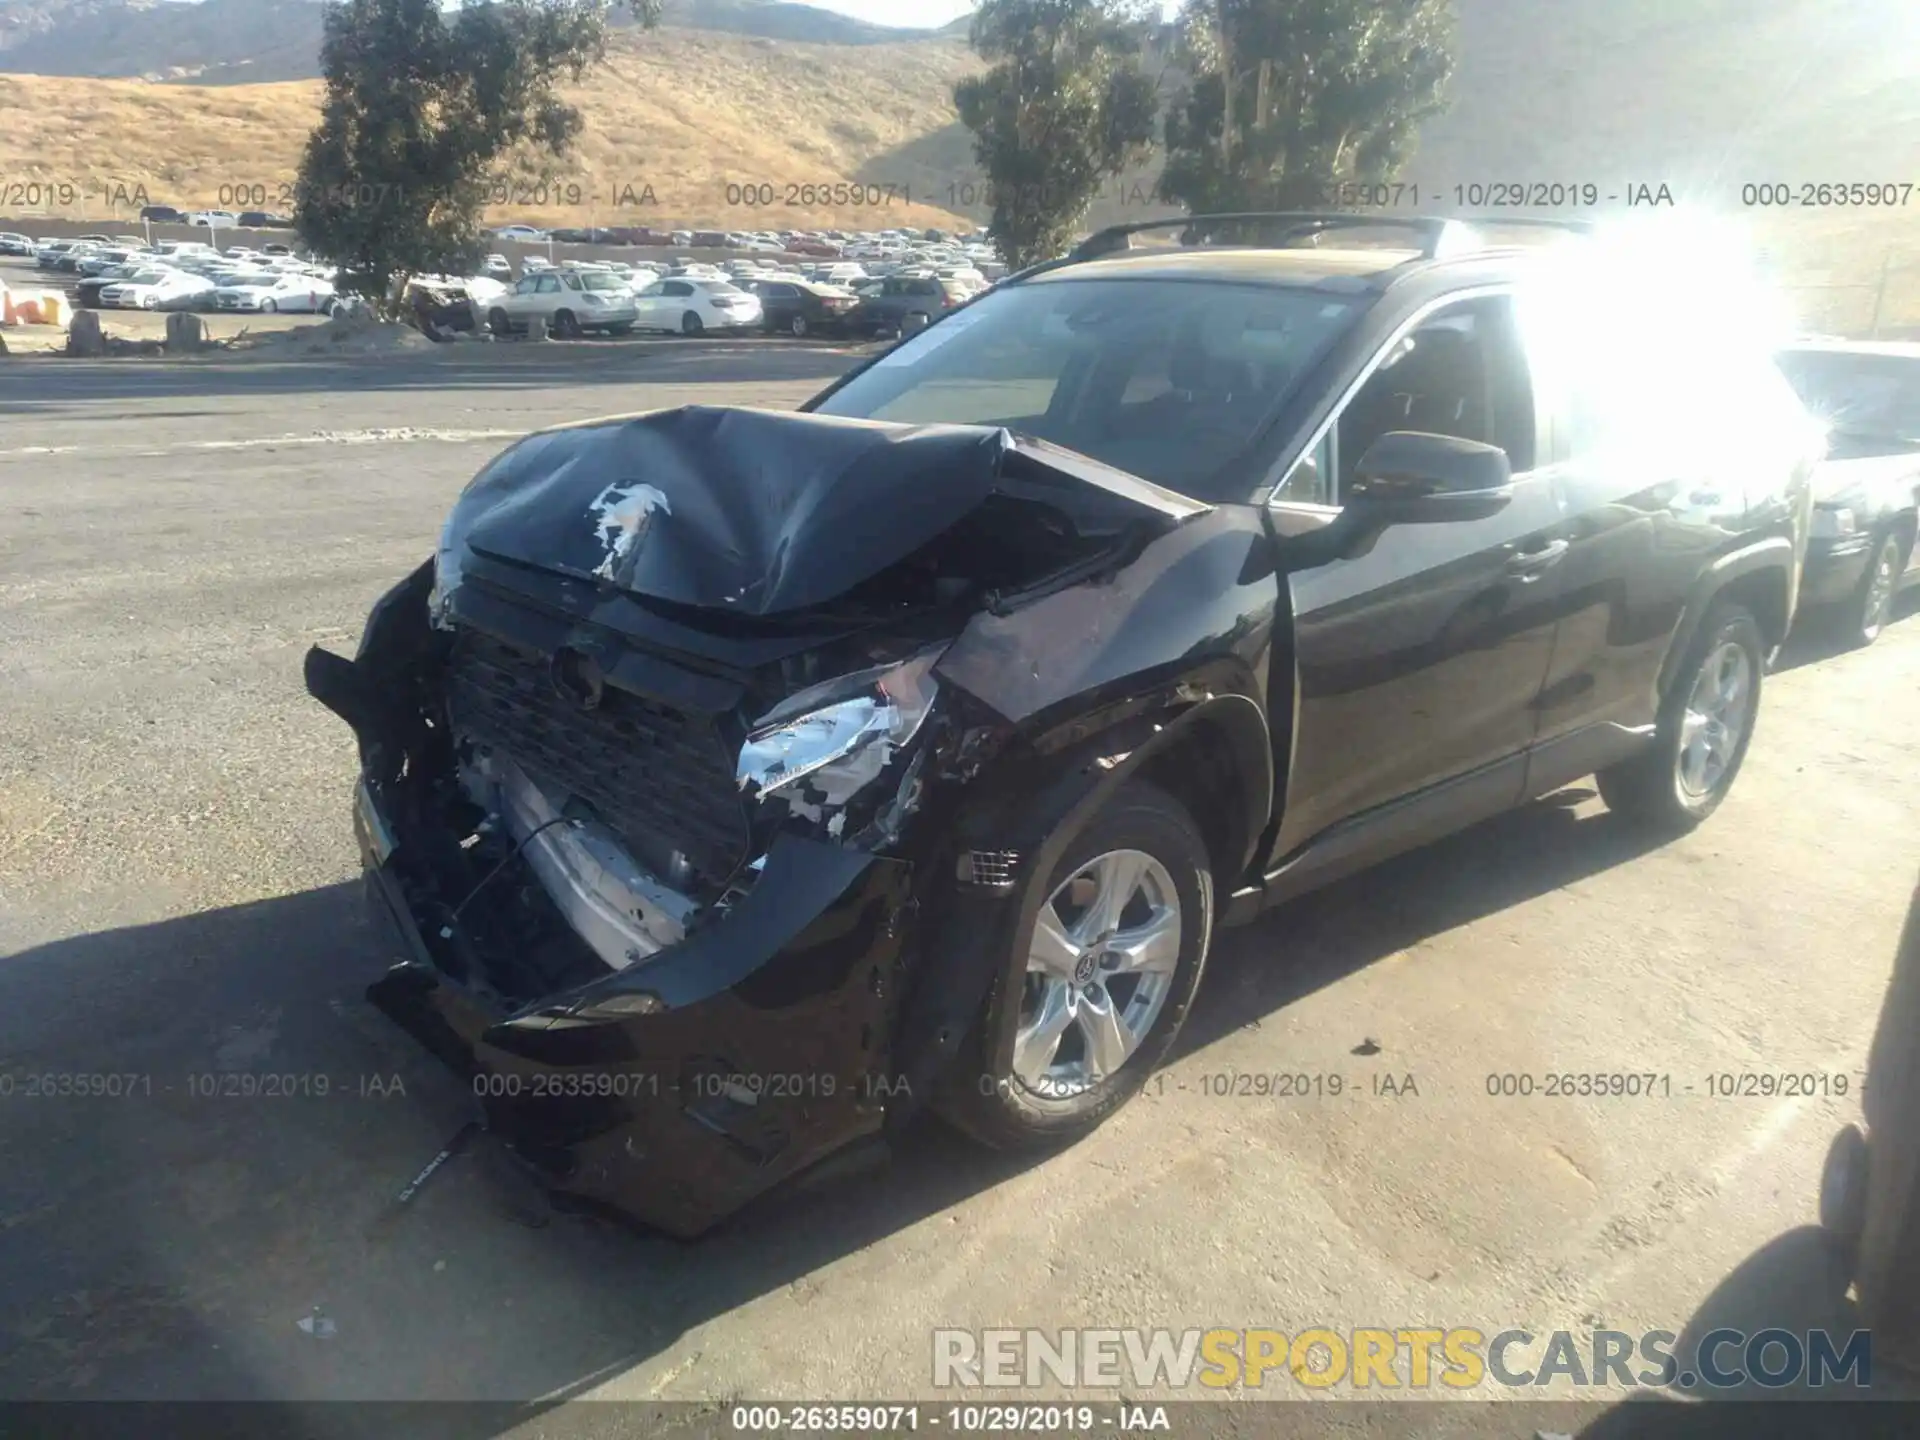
pixel 976 1419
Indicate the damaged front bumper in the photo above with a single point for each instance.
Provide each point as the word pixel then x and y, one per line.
pixel 756 1052
pixel 666 1060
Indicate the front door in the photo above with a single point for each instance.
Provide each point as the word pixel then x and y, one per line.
pixel 1421 660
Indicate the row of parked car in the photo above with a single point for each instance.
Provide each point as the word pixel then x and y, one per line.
pixel 692 297
pixel 905 246
pixel 122 272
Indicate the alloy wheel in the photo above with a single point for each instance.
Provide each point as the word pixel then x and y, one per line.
pixel 1716 719
pixel 1099 970
pixel 1878 601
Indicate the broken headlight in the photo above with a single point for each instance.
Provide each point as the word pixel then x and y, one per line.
pixel 820 747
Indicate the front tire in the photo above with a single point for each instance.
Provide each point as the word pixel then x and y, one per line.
pixel 566 325
pixel 1097 985
pixel 799 327
pixel 267 306
pixel 499 323
pixel 1705 725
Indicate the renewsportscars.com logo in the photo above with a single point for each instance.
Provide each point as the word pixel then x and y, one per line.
pixel 1415 1358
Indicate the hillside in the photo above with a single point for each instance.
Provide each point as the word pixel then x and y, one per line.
pixel 231 42
pixel 687 113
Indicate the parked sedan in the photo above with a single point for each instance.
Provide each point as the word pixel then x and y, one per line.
pixel 570 302
pixel 14 243
pixel 305 294
pixel 693 306
pixel 800 307
pixel 1867 493
pixel 86 294
pixel 166 290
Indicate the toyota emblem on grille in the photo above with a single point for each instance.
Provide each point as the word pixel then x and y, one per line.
pixel 577 678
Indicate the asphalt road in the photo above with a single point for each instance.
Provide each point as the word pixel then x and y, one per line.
pixel 178 901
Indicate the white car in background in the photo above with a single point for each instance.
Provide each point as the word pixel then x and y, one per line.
pixel 520 234
pixel 169 290
pixel 214 219
pixel 571 302
pixel 692 306
pixel 499 267
pixel 301 294
pixel 12 242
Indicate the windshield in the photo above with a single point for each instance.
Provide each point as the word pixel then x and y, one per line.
pixel 1169 379
pixel 1862 396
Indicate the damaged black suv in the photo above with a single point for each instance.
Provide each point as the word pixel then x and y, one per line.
pixel 742 782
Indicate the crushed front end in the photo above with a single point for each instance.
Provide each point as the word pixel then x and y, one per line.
pixel 657 780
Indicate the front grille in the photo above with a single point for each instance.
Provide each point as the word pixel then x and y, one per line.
pixel 660 778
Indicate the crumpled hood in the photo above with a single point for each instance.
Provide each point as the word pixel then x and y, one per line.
pixel 757 512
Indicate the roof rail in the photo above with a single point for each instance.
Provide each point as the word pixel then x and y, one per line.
pixel 1434 235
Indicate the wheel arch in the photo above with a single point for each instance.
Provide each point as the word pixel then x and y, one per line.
pixel 1758 576
pixel 1029 808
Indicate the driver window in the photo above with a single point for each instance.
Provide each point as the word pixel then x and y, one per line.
pixel 1462 373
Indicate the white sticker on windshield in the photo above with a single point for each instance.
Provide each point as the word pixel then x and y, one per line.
pixel 927 341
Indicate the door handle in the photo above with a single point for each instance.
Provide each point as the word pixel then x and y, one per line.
pixel 1531 564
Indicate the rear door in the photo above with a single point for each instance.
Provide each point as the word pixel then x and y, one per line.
pixel 1419 662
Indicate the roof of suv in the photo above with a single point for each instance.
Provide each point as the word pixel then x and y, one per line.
pixel 1437 252
pixel 1288 267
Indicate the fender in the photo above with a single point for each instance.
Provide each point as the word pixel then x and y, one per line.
pixel 1034 807
pixel 1773 553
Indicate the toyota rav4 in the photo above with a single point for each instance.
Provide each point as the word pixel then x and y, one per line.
pixel 742 783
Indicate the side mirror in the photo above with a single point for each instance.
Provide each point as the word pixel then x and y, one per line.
pixel 1407 477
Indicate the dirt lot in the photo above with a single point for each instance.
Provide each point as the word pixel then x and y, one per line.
pixel 178 901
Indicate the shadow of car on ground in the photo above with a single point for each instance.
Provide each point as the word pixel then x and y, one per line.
pixel 166 1240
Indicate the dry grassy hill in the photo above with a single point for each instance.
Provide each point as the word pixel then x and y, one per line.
pixel 688 113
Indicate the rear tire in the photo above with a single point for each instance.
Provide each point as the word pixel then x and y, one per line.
pixel 1706 723
pixel 1866 613
pixel 799 327
pixel 1070 1031
pixel 691 324
pixel 1843 1189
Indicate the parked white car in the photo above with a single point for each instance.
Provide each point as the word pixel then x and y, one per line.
pixel 303 294
pixel 499 267
pixel 12 242
pixel 693 306
pixel 214 219
pixel 171 290
pixel 524 234
pixel 571 302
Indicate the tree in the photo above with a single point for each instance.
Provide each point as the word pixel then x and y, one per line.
pixel 1291 100
pixel 421 104
pixel 1064 107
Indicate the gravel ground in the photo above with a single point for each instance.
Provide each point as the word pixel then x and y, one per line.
pixel 178 899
